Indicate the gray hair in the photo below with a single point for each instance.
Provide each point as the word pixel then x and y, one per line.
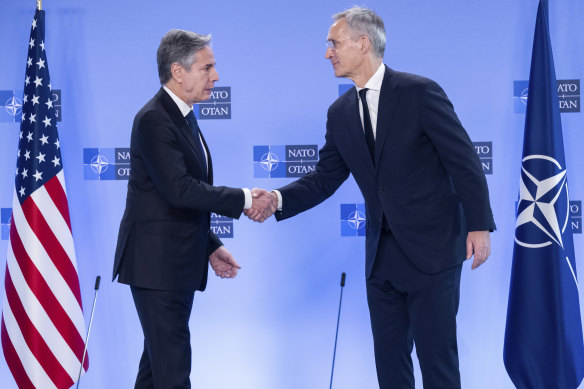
pixel 178 46
pixel 366 22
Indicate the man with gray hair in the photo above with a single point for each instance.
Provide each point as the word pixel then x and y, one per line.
pixel 165 244
pixel 426 200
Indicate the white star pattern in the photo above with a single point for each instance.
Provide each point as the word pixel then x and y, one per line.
pixel 539 201
pixel 38 128
pixel 33 24
pixel 269 161
pixel 38 175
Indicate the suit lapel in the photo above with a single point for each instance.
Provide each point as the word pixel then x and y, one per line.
pixel 355 127
pixel 183 126
pixel 387 102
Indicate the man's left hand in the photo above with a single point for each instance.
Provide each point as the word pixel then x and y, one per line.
pixel 478 243
pixel 223 263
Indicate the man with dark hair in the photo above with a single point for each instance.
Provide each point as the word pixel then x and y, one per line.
pixel 426 199
pixel 165 244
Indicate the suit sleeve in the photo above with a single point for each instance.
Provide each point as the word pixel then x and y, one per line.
pixel 214 243
pixel 315 187
pixel 458 156
pixel 165 163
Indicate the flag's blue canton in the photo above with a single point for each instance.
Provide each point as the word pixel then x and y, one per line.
pixel 39 154
pixel 544 348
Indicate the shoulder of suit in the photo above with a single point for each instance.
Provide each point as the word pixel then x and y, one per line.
pixel 410 80
pixel 153 108
pixel 343 98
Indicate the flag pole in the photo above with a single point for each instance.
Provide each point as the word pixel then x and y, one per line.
pixel 39 4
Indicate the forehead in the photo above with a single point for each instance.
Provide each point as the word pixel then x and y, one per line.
pixel 338 29
pixel 205 56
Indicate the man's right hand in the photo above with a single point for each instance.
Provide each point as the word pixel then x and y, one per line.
pixel 263 205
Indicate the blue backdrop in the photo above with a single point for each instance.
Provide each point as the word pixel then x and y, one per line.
pixel 273 326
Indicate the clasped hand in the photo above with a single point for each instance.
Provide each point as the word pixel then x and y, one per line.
pixel 263 205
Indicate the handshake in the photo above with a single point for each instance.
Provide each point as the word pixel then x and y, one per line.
pixel 263 205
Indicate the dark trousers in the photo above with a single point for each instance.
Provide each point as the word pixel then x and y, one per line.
pixel 166 359
pixel 407 307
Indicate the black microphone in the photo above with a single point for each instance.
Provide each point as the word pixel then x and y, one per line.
pixel 97 281
pixel 343 276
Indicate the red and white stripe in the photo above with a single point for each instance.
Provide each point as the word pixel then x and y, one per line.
pixel 42 319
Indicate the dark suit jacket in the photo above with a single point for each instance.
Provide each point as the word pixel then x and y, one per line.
pixel 164 240
pixel 427 185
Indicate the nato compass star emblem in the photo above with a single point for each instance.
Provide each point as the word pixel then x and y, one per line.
pixel 524 96
pixel 540 201
pixel 99 164
pixel 269 161
pixel 13 106
pixel 356 220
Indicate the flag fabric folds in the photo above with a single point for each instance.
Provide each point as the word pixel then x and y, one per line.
pixel 42 315
pixel 543 335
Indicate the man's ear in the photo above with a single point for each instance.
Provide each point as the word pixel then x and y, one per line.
pixel 365 44
pixel 177 72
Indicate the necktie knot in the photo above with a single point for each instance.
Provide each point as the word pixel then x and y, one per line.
pixel 192 120
pixel 362 94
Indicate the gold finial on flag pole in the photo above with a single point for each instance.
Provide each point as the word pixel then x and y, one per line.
pixel 39 4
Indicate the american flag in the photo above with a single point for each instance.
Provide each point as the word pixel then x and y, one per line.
pixel 42 315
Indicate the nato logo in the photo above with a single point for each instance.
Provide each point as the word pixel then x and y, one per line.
pixel 5 218
pixel 543 209
pixel 568 95
pixel 353 220
pixel 222 226
pixel 485 152
pixel 11 105
pixel 576 216
pixel 343 88
pixel 106 163
pixel 218 106
pixel 284 161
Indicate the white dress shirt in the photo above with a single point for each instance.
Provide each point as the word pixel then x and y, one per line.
pixel 374 86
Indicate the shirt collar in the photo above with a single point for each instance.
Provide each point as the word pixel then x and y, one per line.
pixel 376 80
pixel 184 107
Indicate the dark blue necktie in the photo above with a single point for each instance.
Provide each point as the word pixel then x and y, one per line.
pixel 197 134
pixel 367 124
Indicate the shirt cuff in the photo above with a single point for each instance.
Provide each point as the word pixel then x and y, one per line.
pixel 277 192
pixel 247 194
